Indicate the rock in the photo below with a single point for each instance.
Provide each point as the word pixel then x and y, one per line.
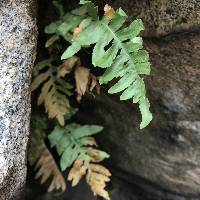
pixel 162 17
pixel 166 153
pixel 17 54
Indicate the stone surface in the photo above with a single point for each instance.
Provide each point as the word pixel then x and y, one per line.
pixel 167 153
pixel 17 54
pixel 162 17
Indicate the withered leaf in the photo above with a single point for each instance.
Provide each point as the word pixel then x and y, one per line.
pixel 96 177
pixel 46 167
pixel 94 84
pixel 109 12
pixel 82 80
pixel 68 65
pixel 85 81
pixel 76 172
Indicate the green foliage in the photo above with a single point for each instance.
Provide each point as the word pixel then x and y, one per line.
pixel 117 49
pixel 65 26
pixel 71 141
pixel 120 50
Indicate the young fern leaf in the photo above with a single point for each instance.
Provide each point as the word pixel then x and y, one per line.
pixel 54 91
pixel 120 50
pixel 70 142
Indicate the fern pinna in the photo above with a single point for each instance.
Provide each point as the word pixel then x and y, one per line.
pixel 120 50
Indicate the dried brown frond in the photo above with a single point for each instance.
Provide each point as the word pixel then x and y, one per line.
pixel 85 81
pixel 68 65
pixel 46 167
pixel 97 177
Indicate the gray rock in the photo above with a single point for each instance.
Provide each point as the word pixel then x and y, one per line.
pixel 167 153
pixel 17 54
pixel 162 17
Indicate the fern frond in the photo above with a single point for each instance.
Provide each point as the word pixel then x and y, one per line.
pixel 75 145
pixel 85 80
pixel 46 167
pixel 64 27
pixel 39 155
pixel 120 50
pixel 96 175
pixel 71 141
pixel 54 91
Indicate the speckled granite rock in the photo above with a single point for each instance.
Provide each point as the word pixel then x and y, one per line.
pixel 162 17
pixel 17 54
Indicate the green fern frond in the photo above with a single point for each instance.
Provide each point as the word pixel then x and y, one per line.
pixel 54 91
pixel 65 26
pixel 71 143
pixel 120 50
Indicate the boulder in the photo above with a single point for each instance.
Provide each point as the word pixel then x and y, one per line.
pixel 17 55
pixel 162 17
pixel 166 153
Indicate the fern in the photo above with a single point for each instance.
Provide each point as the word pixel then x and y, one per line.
pixel 96 176
pixel 71 141
pixel 64 27
pixel 46 167
pixel 116 48
pixel 54 91
pixel 120 50
pixel 75 145
pixel 39 155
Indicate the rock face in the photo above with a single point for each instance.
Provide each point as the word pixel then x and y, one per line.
pixel 167 152
pixel 17 54
pixel 162 17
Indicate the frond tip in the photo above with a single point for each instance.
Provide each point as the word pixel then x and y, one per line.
pixel 120 50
